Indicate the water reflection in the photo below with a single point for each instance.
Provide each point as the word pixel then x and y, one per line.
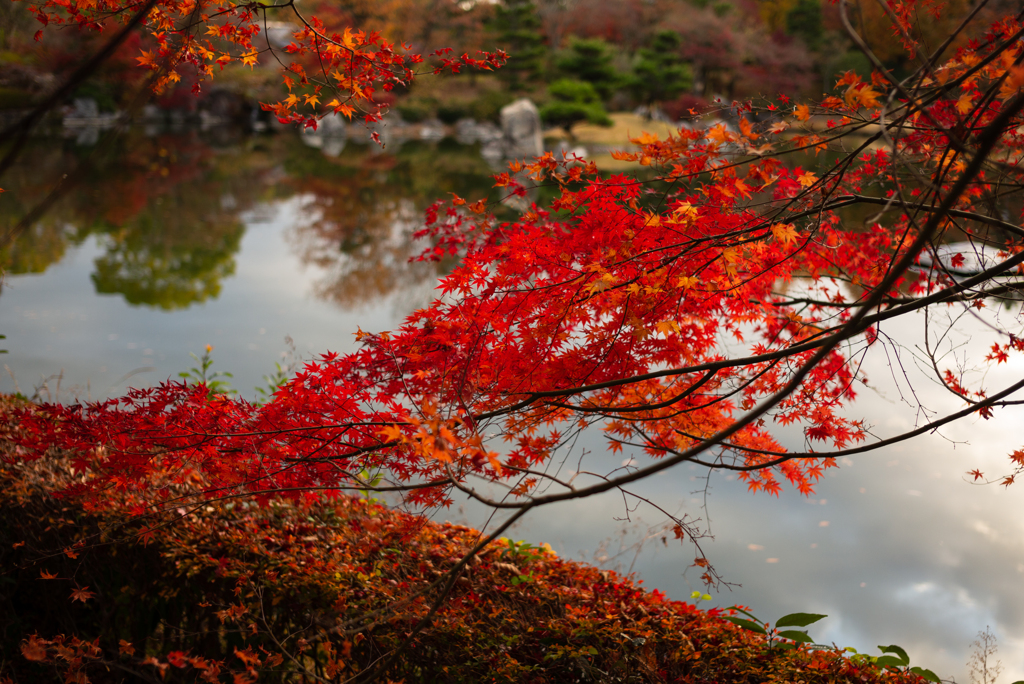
pixel 168 210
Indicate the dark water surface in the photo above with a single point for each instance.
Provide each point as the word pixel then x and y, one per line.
pixel 165 243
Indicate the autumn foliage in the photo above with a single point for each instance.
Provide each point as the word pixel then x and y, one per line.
pixel 684 323
pixel 328 589
pixel 689 321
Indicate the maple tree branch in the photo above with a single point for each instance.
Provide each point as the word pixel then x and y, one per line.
pixel 824 338
pixel 995 401
pixel 855 325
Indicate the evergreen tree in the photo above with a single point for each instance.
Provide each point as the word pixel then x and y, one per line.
pixel 804 22
pixel 660 73
pixel 518 30
pixel 571 103
pixel 590 60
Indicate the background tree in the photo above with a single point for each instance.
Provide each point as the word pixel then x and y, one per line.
pixel 516 26
pixel 659 73
pixel 804 21
pixel 590 60
pixel 571 103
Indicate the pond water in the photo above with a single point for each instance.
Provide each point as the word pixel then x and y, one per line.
pixel 273 251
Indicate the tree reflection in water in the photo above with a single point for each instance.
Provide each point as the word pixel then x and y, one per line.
pixel 167 211
pixel 362 207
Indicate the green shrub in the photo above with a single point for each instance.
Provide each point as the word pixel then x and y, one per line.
pixel 571 103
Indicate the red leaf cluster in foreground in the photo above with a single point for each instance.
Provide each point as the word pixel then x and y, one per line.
pixel 232 591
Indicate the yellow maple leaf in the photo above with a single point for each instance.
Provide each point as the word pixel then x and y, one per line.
pixel 1012 84
pixel 352 39
pixel 866 96
pixel 687 282
pixel 784 232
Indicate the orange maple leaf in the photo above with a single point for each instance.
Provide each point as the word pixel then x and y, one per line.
pixel 146 60
pixel 34 649
pixel 748 130
pixel 964 103
pixel 802 112
pixel 392 433
pixel 82 594
pixel 719 134
pixel 807 179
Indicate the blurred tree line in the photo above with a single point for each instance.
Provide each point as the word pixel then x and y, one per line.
pixel 668 55
pixel 580 59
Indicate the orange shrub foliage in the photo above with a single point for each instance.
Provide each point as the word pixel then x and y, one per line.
pixel 325 590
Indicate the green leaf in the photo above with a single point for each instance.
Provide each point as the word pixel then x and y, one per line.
pixel 747 624
pixel 931 676
pixel 793 635
pixel 784 646
pixel 890 661
pixel 749 615
pixel 898 651
pixel 799 619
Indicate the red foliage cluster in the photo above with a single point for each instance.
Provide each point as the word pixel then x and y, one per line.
pixel 193 38
pixel 331 589
pixel 683 323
